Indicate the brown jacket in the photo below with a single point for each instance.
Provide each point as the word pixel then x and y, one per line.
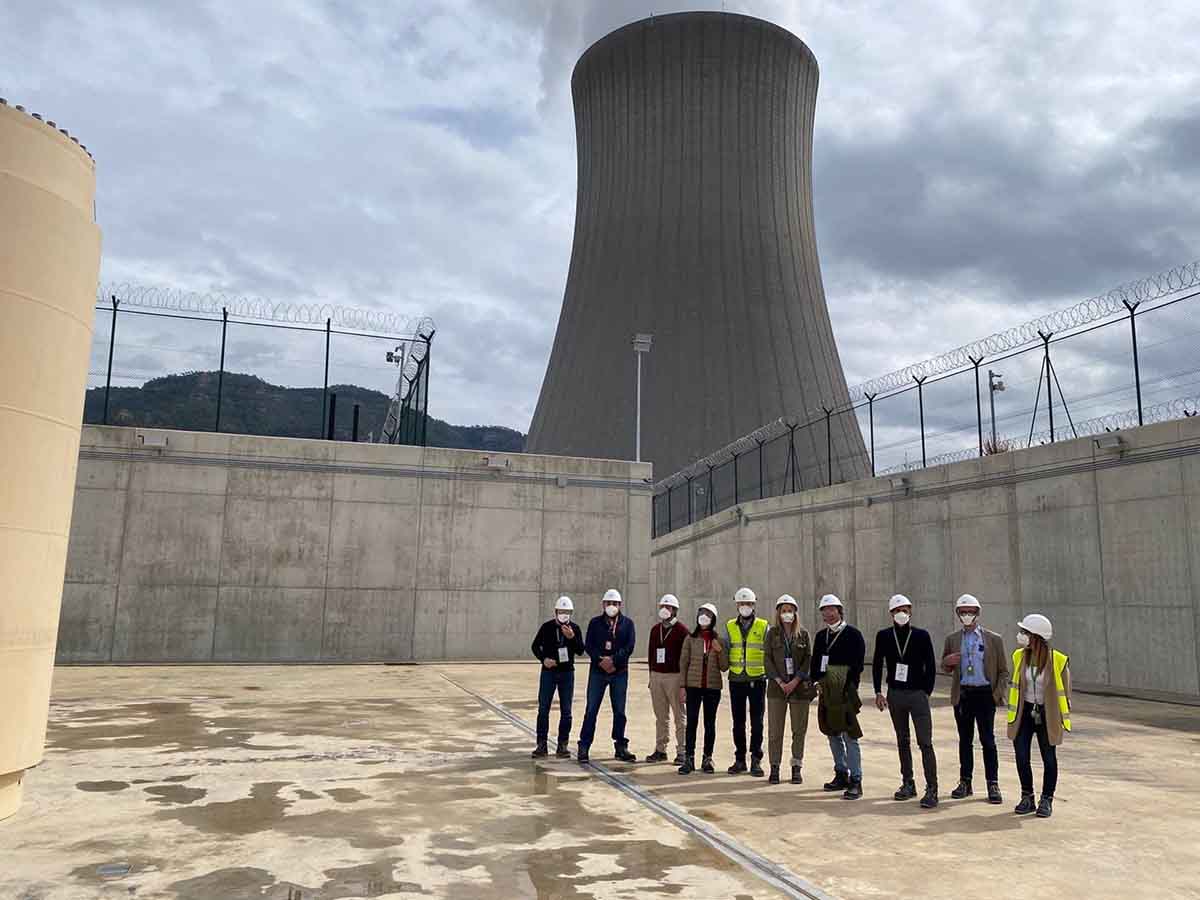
pixel 1054 719
pixel 776 662
pixel 995 664
pixel 691 663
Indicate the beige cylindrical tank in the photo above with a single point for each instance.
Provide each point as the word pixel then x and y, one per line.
pixel 49 265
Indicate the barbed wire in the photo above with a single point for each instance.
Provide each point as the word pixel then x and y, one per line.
pixel 1143 290
pixel 1167 411
pixel 181 301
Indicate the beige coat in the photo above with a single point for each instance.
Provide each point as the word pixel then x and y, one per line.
pixel 691 663
pixel 995 664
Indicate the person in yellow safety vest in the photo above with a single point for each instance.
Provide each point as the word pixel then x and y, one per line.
pixel 1039 703
pixel 747 681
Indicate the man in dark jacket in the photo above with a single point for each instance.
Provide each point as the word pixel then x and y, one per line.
pixel 609 643
pixel 555 646
pixel 907 652
pixel 839 653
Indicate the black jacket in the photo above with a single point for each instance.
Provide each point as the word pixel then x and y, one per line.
pixel 849 649
pixel 550 637
pixel 918 655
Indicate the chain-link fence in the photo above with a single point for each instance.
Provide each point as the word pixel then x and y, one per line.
pixel 1115 361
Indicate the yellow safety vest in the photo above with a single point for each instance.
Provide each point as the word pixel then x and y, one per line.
pixel 746 653
pixel 1014 687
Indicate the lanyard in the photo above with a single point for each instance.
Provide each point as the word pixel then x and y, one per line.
pixel 788 641
pixel 830 643
pixel 662 635
pixel 897 640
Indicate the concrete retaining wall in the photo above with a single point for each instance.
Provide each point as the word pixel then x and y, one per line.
pixel 1106 542
pixel 224 548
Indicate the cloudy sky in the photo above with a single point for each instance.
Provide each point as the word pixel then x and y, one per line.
pixel 973 167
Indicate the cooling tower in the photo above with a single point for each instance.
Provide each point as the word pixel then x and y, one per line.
pixel 694 222
pixel 49 262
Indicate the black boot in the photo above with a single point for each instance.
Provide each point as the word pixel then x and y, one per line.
pixel 1026 806
pixel 930 800
pixel 907 791
pixel 540 750
pixel 562 752
pixel 774 779
pixel 841 781
pixel 581 754
pixel 738 767
pixel 707 766
pixel 994 792
pixel 679 757
pixel 656 756
pixel 796 779
pixel 756 766
pixel 1045 808
pixel 854 792
pixel 688 767
pixel 622 753
pixel 963 789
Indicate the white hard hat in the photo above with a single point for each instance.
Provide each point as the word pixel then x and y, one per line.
pixel 612 596
pixel 786 598
pixel 1038 624
pixel 829 600
pixel 897 601
pixel 564 603
pixel 967 601
pixel 669 600
pixel 744 595
pixel 711 607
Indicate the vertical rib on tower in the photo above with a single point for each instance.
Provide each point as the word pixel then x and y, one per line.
pixel 694 222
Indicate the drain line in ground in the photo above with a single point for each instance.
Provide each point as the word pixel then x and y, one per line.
pixel 774 874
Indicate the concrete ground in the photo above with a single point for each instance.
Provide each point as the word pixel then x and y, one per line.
pixel 395 781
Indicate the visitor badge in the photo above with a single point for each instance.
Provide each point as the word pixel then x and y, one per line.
pixel 824 662
pixel 790 664
pixel 608 645
pixel 901 672
pixel 661 655
pixel 563 655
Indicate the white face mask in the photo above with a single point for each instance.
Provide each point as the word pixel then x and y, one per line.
pixel 1023 639
pixel 665 614
pixel 788 617
pixel 564 618
pixel 968 619
pixel 704 621
pixel 745 611
pixel 611 610
pixel 901 618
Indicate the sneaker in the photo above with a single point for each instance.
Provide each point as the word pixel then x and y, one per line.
pixel 738 767
pixel 994 792
pixel 656 757
pixel 841 781
pixel 1026 806
pixel 907 791
pixel 1045 808
pixel 963 789
pixel 624 755
pixel 930 800
pixel 707 766
pixel 796 778
pixel 688 766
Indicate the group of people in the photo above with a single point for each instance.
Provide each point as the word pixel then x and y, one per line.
pixel 775 669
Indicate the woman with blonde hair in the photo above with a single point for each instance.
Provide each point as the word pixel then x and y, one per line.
pixel 789 688
pixel 1039 704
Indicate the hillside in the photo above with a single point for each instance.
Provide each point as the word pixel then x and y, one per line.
pixel 250 405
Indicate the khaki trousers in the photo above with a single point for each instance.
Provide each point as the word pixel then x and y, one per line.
pixel 664 695
pixel 778 709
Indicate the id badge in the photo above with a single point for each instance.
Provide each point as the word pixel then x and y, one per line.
pixel 563 655
pixel 824 662
pixel 660 655
pixel 608 645
pixel 790 665
pixel 901 672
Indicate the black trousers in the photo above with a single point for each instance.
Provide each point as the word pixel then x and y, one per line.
pixel 976 711
pixel 709 699
pixel 1022 745
pixel 753 694
pixel 913 703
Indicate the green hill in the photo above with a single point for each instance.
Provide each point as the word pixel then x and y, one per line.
pixel 250 405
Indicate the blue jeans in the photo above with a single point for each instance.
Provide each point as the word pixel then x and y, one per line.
pixel 562 682
pixel 616 684
pixel 846 755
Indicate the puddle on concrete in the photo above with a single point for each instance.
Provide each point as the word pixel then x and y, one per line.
pixel 346 795
pixel 175 794
pixel 102 787
pixel 307 795
pixel 261 811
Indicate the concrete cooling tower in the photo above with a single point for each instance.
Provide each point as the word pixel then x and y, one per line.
pixel 694 223
pixel 49 262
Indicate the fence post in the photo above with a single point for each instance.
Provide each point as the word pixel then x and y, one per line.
pixel 792 454
pixel 332 416
pixel 828 447
pixel 761 478
pixel 221 370
pixel 710 491
pixel 1045 336
pixel 689 490
pixel 871 426
pixel 325 391
pixel 112 337
pixel 978 402
pixel 354 428
pixel 921 406
pixel 425 393
pixel 735 481
pixel 1137 369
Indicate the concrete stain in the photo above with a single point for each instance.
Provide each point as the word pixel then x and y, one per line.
pixel 346 795
pixel 261 811
pixel 102 787
pixel 175 794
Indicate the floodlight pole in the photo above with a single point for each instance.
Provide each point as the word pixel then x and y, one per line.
pixel 994 384
pixel 641 345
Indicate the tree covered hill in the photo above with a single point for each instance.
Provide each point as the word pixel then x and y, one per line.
pixel 250 405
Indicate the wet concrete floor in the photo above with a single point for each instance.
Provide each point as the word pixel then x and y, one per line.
pixel 298 783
